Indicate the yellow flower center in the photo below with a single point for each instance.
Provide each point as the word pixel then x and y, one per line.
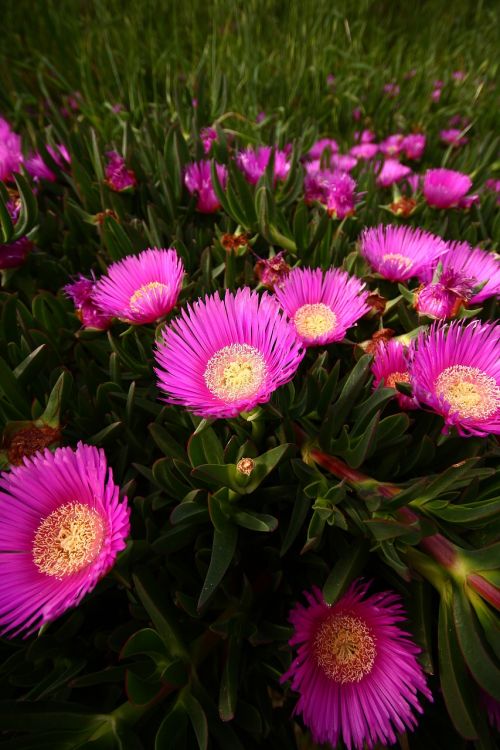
pixel 469 391
pixel 396 260
pixel 344 648
pixel 313 321
pixel 396 377
pixel 235 372
pixel 67 540
pixel 149 293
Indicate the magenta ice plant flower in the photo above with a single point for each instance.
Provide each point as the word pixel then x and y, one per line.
pixel 319 147
pixel 398 253
pixel 11 156
pixel 81 293
pixel 364 151
pixel 322 305
pixel 413 146
pixel 225 355
pixel 392 171
pixel 391 90
pixel 392 145
pixel 390 365
pixel 455 371
pixel 141 288
pixel 356 669
pixel 208 136
pixel 444 297
pixel 453 137
pixel 39 170
pixel 480 267
pixel 445 188
pixel 13 254
pixel 343 162
pixel 118 177
pixel 253 163
pixel 340 194
pixel 63 525
pixel 198 180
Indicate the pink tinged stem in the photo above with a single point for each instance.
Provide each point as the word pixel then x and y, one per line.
pixel 484 588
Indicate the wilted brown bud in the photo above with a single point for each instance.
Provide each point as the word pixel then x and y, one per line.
pixel 403 206
pixel 377 303
pixel 30 440
pixel 379 338
pixel 245 466
pixel 272 272
pixel 102 215
pixel 233 241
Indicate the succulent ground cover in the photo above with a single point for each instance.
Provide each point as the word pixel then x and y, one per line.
pixel 249 376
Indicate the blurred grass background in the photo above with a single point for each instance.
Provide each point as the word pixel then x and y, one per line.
pixel 271 55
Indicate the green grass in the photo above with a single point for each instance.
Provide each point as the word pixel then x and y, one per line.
pixel 273 56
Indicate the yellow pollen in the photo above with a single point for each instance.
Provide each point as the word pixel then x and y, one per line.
pixel 150 291
pixel 313 321
pixel 67 540
pixel 235 372
pixel 344 648
pixel 469 391
pixel 396 377
pixel 398 260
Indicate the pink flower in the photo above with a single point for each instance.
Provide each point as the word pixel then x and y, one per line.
pixel 391 90
pixel 62 528
pixel 398 253
pixel 335 190
pixel 390 365
pixel 273 272
pixel 356 114
pixel 436 95
pixel 340 195
pixel 453 137
pixel 393 145
pixel 455 371
pixel 81 292
pixel 364 151
pixel 253 163
pixel 458 75
pixel 118 177
pixel 198 180
pixel 445 188
pixel 392 171
pixel 413 146
pixel 208 136
pixel 324 144
pixel 321 305
pixel 40 170
pixel 224 356
pixel 343 162
pixel 13 254
pixel 356 670
pixel 479 266
pixel 141 288
pixel 443 298
pixel 11 156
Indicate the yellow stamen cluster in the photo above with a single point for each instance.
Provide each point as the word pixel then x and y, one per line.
pixel 67 540
pixel 344 648
pixel 235 372
pixel 151 290
pixel 313 321
pixel 469 391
